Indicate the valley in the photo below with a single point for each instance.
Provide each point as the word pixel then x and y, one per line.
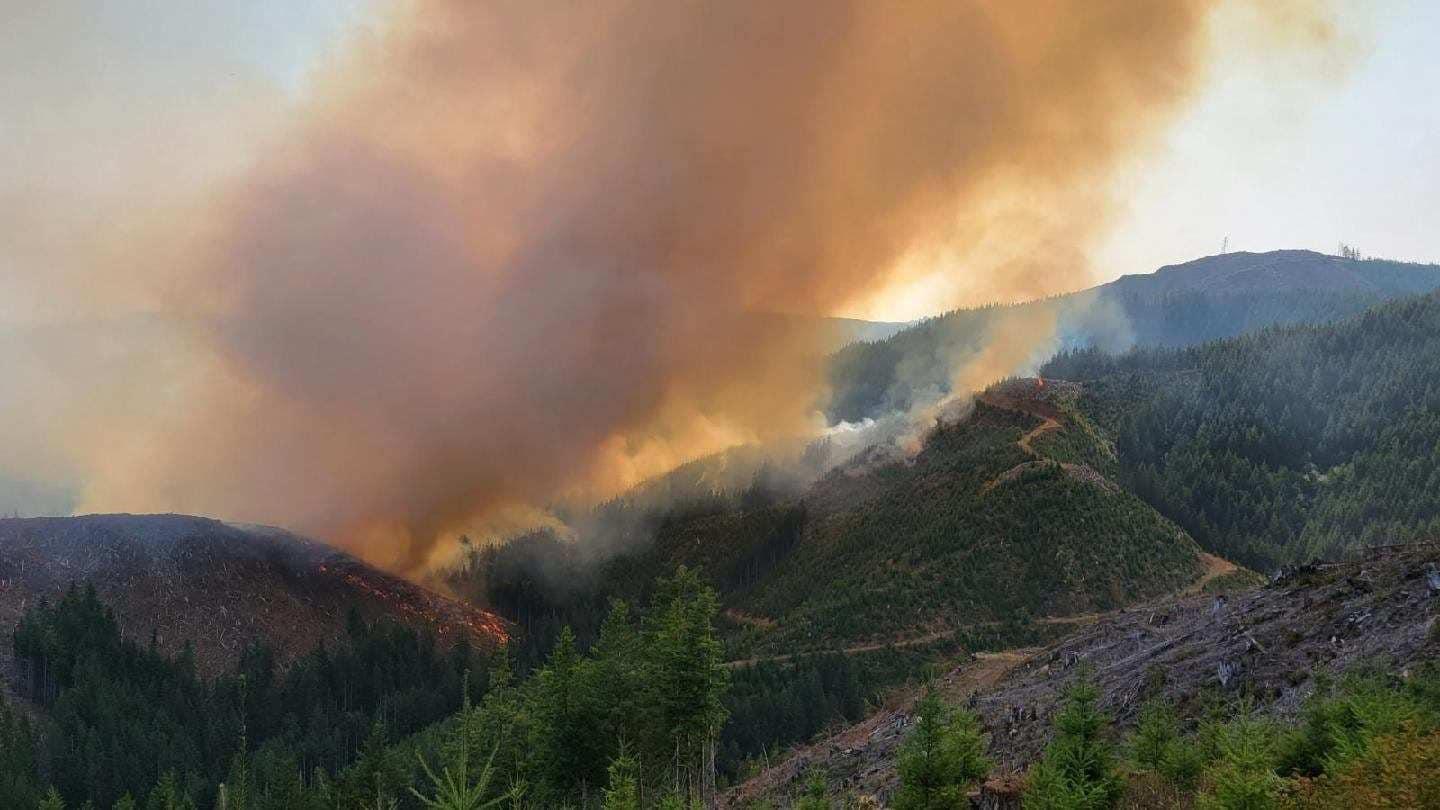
pixel 729 405
pixel 1100 522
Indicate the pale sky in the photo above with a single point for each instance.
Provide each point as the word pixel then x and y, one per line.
pixel 95 96
pixel 1275 153
pixel 1279 163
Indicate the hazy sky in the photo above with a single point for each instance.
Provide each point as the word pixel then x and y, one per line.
pixel 1278 162
pixel 1282 154
pixel 150 151
pixel 95 96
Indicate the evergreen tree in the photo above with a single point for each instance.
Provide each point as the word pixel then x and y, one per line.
pixel 814 798
pixel 20 784
pixel 169 795
pixel 622 791
pixel 1243 778
pixel 459 786
pixel 52 801
pixel 1077 770
pixel 563 735
pixel 687 679
pixel 1157 746
pixel 941 757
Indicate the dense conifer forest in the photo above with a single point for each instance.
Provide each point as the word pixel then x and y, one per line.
pixel 1285 445
pixel 385 720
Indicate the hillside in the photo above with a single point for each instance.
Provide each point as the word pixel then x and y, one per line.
pixel 1179 305
pixel 1271 646
pixel 1003 517
pixel 976 529
pixel 216 586
pixel 1285 445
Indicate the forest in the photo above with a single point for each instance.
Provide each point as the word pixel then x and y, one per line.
pixel 1285 445
pixel 633 723
pixel 384 720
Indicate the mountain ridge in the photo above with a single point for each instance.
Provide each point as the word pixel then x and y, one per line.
pixel 1210 298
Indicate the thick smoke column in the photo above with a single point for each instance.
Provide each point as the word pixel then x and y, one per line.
pixel 516 249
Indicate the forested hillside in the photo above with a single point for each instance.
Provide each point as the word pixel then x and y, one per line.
pixel 1180 305
pixel 386 719
pixel 1001 526
pixel 996 520
pixel 1284 445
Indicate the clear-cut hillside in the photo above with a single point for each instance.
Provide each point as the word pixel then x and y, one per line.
pixel 1268 644
pixel 215 585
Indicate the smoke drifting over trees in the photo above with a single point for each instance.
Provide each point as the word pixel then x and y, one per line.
pixel 509 251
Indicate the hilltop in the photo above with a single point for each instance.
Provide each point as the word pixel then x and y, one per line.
pixel 216 586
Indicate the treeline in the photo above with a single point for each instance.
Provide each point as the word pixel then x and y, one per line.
pixel 1287 444
pixel 385 720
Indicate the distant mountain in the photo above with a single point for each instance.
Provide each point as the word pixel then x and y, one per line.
pixel 1179 305
pixel 217 586
pixel 854 330
pixel 1280 271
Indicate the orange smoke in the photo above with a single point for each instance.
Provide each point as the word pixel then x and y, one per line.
pixel 512 250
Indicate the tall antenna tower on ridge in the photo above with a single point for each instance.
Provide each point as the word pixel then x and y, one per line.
pixel 1225 245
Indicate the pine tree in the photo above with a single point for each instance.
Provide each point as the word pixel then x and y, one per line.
pixel 1158 747
pixel 563 736
pixel 940 758
pixel 1077 771
pixel 623 789
pixel 52 801
pixel 456 787
pixel 688 679
pixel 20 784
pixel 168 795
pixel 814 798
pixel 614 679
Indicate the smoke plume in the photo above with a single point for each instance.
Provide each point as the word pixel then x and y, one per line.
pixel 514 250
